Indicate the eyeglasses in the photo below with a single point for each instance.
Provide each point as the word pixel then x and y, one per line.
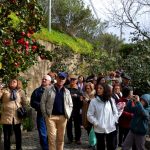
pixel 73 79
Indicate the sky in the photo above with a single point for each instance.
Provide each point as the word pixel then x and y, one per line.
pixel 101 7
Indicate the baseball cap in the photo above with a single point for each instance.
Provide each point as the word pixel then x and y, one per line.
pixel 72 76
pixel 47 77
pixel 62 74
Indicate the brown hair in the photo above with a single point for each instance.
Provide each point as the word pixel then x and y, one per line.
pixel 107 91
pixel 19 83
pixel 117 84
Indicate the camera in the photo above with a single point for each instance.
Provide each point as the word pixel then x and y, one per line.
pixel 134 98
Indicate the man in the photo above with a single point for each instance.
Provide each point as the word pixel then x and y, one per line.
pixel 126 81
pixel 76 93
pixel 35 103
pixel 56 107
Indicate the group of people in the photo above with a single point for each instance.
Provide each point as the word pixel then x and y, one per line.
pixel 105 104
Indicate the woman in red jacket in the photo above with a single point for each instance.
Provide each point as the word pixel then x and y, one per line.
pixel 125 118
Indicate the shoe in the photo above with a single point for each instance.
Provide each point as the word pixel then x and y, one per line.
pixel 93 147
pixel 78 142
pixel 69 142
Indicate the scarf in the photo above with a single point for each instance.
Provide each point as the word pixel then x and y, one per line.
pixel 13 95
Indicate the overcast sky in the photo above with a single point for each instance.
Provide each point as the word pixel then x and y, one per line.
pixel 101 7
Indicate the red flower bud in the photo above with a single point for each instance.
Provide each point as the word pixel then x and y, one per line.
pixel 28 34
pixel 34 47
pixel 23 33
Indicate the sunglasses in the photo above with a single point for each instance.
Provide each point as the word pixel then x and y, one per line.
pixel 62 78
pixel 73 79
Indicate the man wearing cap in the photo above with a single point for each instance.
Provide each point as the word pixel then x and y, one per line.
pixel 76 93
pixel 56 107
pixel 125 81
pixel 35 103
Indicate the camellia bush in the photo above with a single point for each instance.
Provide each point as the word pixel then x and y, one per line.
pixel 19 20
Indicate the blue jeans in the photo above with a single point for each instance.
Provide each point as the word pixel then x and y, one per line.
pixel 41 126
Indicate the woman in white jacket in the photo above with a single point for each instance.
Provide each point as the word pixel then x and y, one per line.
pixel 103 114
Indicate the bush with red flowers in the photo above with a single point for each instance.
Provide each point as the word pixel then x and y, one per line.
pixel 18 50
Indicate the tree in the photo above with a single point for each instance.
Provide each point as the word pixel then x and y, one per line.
pixel 132 14
pixel 18 50
pixel 135 56
pixel 73 18
pixel 109 42
pixel 137 64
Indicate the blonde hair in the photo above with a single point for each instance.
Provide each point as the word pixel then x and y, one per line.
pixel 91 85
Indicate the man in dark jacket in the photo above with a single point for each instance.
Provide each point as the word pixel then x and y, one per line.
pixel 35 103
pixel 77 105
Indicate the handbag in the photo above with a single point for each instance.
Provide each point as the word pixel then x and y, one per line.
pixel 21 112
pixel 92 138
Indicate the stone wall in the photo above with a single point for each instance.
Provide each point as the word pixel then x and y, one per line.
pixel 35 73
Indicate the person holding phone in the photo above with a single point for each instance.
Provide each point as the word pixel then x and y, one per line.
pixel 140 107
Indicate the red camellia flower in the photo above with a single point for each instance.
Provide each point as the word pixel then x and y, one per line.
pixel 23 33
pixel 21 41
pixel 26 43
pixel 12 1
pixel 7 42
pixel 34 47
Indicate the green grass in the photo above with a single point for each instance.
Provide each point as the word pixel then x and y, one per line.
pixel 76 44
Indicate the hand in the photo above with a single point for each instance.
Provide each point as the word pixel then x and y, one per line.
pixel 136 98
pixel 74 95
pixel 1 86
pixel 82 98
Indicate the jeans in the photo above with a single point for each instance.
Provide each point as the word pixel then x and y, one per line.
pixel 41 126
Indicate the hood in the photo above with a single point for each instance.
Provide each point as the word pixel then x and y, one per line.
pixel 146 97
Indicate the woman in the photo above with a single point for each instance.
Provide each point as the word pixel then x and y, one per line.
pixel 81 82
pixel 88 95
pixel 126 116
pixel 103 114
pixel 12 98
pixel 117 94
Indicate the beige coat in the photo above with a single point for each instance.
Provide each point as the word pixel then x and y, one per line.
pixel 9 107
pixel 85 107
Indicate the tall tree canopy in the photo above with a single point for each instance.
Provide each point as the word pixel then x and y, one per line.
pixel 72 17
